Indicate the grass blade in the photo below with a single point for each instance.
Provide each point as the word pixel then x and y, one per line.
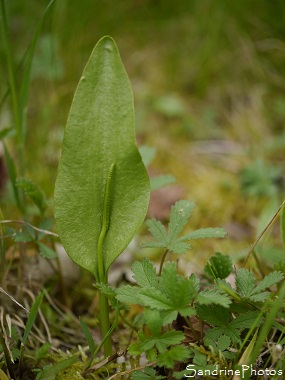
pixel 29 325
pixel 32 316
pixel 13 176
pixel 268 322
pixel 25 84
pixel 88 336
pixel 11 71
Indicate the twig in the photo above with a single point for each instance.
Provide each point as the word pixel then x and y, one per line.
pixel 132 370
pixel 29 225
pixel 263 232
pixel 13 299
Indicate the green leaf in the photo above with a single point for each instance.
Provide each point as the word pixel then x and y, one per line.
pixel 34 192
pixel 199 359
pixel 269 280
pixel 161 181
pixel 49 372
pixel 178 289
pixel 260 297
pixel 204 233
pixel 216 332
pixel 170 240
pixel 220 264
pixel 158 231
pixel 178 247
pixel 129 294
pixel 153 321
pixel 32 316
pixel 100 134
pixel 215 315
pixel 163 341
pixel 155 299
pixel 146 374
pixel 4 377
pixel 180 213
pixel 172 337
pixel 45 225
pixel 42 351
pixel 245 282
pixel 245 320
pixel 176 353
pixel 46 252
pixel 6 132
pixel 88 336
pixel 23 237
pixel 13 176
pixel 145 273
pixel 209 296
pixel 223 342
pixel 147 153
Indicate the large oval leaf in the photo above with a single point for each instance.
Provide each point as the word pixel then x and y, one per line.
pixel 99 135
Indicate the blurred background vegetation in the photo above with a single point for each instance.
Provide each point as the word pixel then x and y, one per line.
pixel 209 87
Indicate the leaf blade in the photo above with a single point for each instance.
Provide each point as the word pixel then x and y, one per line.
pixel 100 124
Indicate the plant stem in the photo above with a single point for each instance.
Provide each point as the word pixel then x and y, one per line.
pixel 105 338
pixel 105 323
pixel 263 232
pixel 103 301
pixel 14 95
pixel 102 274
pixel 162 261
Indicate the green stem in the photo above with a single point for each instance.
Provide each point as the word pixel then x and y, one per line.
pixel 102 273
pixel 103 301
pixel 109 333
pixel 162 261
pixel 101 269
pixel 105 323
pixel 14 95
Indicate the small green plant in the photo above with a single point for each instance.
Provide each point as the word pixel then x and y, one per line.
pixel 19 92
pixel 170 240
pixel 101 199
pixel 102 188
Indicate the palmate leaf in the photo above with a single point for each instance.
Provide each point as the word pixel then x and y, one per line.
pixel 163 341
pixel 176 353
pixel 180 213
pixel 145 273
pixel 46 252
pixel 245 283
pixel 155 299
pixel 129 295
pixel 169 294
pixel 100 135
pixel 178 289
pixel 170 240
pixel 269 280
pixel 215 315
pixel 205 233
pixel 210 296
pixel 158 231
